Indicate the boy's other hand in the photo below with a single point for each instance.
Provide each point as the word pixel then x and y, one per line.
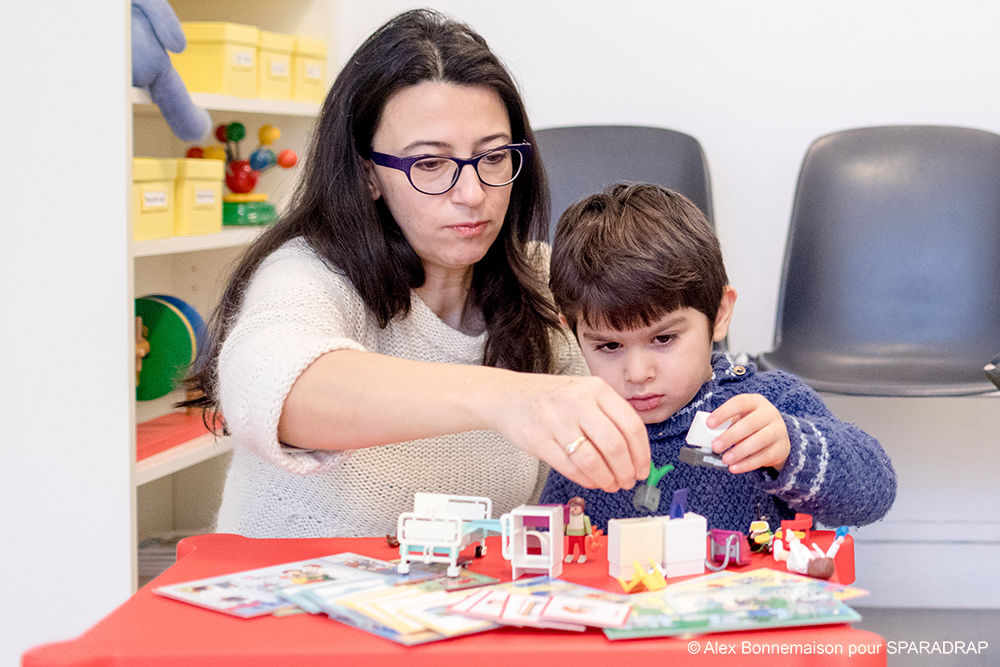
pixel 757 438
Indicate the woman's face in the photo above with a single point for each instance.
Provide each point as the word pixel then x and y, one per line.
pixel 452 230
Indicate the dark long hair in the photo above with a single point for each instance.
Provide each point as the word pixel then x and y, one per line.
pixel 333 211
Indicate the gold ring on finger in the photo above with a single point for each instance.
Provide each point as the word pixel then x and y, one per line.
pixel 575 445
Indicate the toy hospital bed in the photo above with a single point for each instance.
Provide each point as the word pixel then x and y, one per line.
pixel 441 526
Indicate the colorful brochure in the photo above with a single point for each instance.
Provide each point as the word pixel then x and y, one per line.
pixel 544 602
pixel 269 590
pixel 731 601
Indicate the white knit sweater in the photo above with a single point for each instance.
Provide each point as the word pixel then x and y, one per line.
pixel 295 309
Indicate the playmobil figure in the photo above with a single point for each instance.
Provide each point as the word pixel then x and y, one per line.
pixel 802 560
pixel 156 30
pixel 638 276
pixel 578 528
pixel 760 535
pixel 406 258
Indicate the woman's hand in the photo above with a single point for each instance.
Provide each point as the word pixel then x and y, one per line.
pixel 543 414
pixel 757 438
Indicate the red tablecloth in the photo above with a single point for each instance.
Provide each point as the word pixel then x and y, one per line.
pixel 151 630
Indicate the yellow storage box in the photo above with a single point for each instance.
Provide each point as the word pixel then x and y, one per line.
pixel 274 66
pixel 198 196
pixel 152 198
pixel 309 70
pixel 220 58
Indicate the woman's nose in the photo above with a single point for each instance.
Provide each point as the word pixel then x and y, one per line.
pixel 469 190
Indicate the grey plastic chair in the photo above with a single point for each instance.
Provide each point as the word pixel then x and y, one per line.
pixel 891 280
pixel 583 160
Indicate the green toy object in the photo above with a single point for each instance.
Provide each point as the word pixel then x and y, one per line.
pixel 648 496
pixel 171 343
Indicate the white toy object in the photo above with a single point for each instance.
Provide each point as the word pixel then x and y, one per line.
pixel 684 545
pixel 532 551
pixel 632 540
pixel 677 545
pixel 802 560
pixel 440 526
pixel 700 438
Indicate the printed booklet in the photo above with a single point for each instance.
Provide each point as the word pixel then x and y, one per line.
pixel 730 601
pixel 268 590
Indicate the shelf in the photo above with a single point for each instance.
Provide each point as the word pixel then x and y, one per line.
pixel 180 457
pixel 140 98
pixel 229 237
pixel 174 442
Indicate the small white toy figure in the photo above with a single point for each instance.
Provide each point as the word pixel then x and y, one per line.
pixel 800 559
pixel 577 529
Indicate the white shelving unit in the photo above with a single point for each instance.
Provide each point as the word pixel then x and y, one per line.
pixel 144 105
pixel 180 457
pixel 179 489
pixel 231 237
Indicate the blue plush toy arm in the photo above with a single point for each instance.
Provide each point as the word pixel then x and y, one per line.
pixel 187 121
pixel 151 69
pixel 164 22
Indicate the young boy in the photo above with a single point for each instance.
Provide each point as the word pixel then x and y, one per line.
pixel 638 276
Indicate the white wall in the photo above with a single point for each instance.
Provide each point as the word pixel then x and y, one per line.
pixel 755 82
pixel 65 539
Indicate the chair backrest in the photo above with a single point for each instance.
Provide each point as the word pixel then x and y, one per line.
pixel 891 280
pixel 583 160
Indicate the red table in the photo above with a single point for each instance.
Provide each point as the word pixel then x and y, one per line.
pixel 150 630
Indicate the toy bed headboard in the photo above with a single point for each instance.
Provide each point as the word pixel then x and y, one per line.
pixel 467 508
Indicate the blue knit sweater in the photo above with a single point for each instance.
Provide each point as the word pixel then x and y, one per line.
pixel 835 472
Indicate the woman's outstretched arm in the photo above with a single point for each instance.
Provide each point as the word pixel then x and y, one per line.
pixel 349 399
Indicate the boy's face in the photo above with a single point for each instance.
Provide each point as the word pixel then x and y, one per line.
pixel 658 369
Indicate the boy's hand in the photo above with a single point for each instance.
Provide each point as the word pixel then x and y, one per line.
pixel 757 438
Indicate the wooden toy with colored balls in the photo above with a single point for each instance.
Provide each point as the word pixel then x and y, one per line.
pixel 243 206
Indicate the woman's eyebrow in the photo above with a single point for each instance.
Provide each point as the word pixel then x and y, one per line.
pixel 443 146
pixel 427 145
pixel 493 137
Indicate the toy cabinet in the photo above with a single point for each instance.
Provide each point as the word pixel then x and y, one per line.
pixel 533 540
pixel 179 488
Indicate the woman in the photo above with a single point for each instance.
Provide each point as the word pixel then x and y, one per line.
pixel 393 332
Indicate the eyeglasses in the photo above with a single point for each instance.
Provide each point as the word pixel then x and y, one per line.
pixel 436 174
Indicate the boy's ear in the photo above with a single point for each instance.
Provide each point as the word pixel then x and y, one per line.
pixel 562 320
pixel 369 168
pixel 725 314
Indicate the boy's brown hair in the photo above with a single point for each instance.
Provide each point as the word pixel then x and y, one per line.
pixel 629 255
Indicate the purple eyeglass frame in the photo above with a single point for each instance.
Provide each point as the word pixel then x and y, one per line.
pixel 404 164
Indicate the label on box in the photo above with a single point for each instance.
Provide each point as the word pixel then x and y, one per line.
pixel 204 197
pixel 279 69
pixel 154 199
pixel 242 59
pixel 313 72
